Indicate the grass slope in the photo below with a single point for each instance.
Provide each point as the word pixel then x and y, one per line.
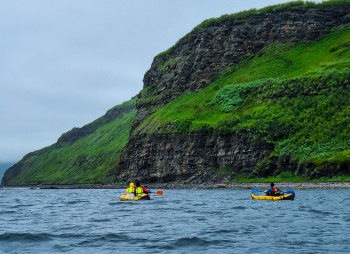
pixel 88 160
pixel 293 95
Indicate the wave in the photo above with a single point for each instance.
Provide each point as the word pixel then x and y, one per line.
pixel 7 212
pixel 73 202
pixel 25 237
pixel 100 220
pixel 315 211
pixel 44 237
pixel 72 243
pixel 191 243
pixel 239 208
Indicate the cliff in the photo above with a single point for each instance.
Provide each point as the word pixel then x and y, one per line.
pixel 253 94
pixel 202 55
pixel 183 130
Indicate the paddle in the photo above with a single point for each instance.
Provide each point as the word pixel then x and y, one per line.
pixel 160 192
pixel 286 192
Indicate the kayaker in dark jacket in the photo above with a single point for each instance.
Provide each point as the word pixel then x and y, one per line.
pixel 273 191
pixel 140 189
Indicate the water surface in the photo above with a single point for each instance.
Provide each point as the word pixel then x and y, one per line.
pixel 180 221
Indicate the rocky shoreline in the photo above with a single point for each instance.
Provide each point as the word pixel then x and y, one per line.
pixel 262 186
pixel 223 185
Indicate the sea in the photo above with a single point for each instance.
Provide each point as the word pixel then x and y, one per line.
pixel 179 221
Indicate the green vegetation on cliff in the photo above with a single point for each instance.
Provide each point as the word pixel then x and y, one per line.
pixel 84 155
pixel 272 8
pixel 293 95
pixel 268 9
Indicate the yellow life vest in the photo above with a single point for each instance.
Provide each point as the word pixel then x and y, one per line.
pixel 130 189
pixel 139 190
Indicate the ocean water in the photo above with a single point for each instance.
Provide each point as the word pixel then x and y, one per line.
pixel 179 221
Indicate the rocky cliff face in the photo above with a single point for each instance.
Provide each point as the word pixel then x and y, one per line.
pixel 191 65
pixel 204 53
pixel 193 157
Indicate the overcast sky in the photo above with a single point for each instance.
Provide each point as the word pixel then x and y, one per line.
pixel 64 63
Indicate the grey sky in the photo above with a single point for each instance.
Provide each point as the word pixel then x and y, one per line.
pixel 64 63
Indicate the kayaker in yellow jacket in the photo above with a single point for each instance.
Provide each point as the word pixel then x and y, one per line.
pixel 131 189
pixel 140 189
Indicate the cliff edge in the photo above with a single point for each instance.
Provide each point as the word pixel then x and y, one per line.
pixel 174 140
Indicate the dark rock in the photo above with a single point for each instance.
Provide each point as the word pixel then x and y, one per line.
pixel 191 65
pixel 193 157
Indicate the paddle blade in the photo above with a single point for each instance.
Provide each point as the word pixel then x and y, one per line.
pixel 256 191
pixel 125 192
pixel 160 192
pixel 289 192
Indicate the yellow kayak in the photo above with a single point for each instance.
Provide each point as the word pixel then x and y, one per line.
pixel 131 196
pixel 286 196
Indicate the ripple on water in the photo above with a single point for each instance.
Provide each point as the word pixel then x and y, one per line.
pixel 8 212
pixel 25 237
pixel 99 220
pixel 319 212
pixel 239 208
pixel 95 221
pixel 186 242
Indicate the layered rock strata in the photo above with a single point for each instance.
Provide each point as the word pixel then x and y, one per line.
pixel 191 65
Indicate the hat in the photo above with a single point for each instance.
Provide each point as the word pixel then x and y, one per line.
pixel 131 184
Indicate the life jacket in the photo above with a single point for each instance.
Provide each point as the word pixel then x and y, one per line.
pixel 139 190
pixel 274 190
pixel 130 189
